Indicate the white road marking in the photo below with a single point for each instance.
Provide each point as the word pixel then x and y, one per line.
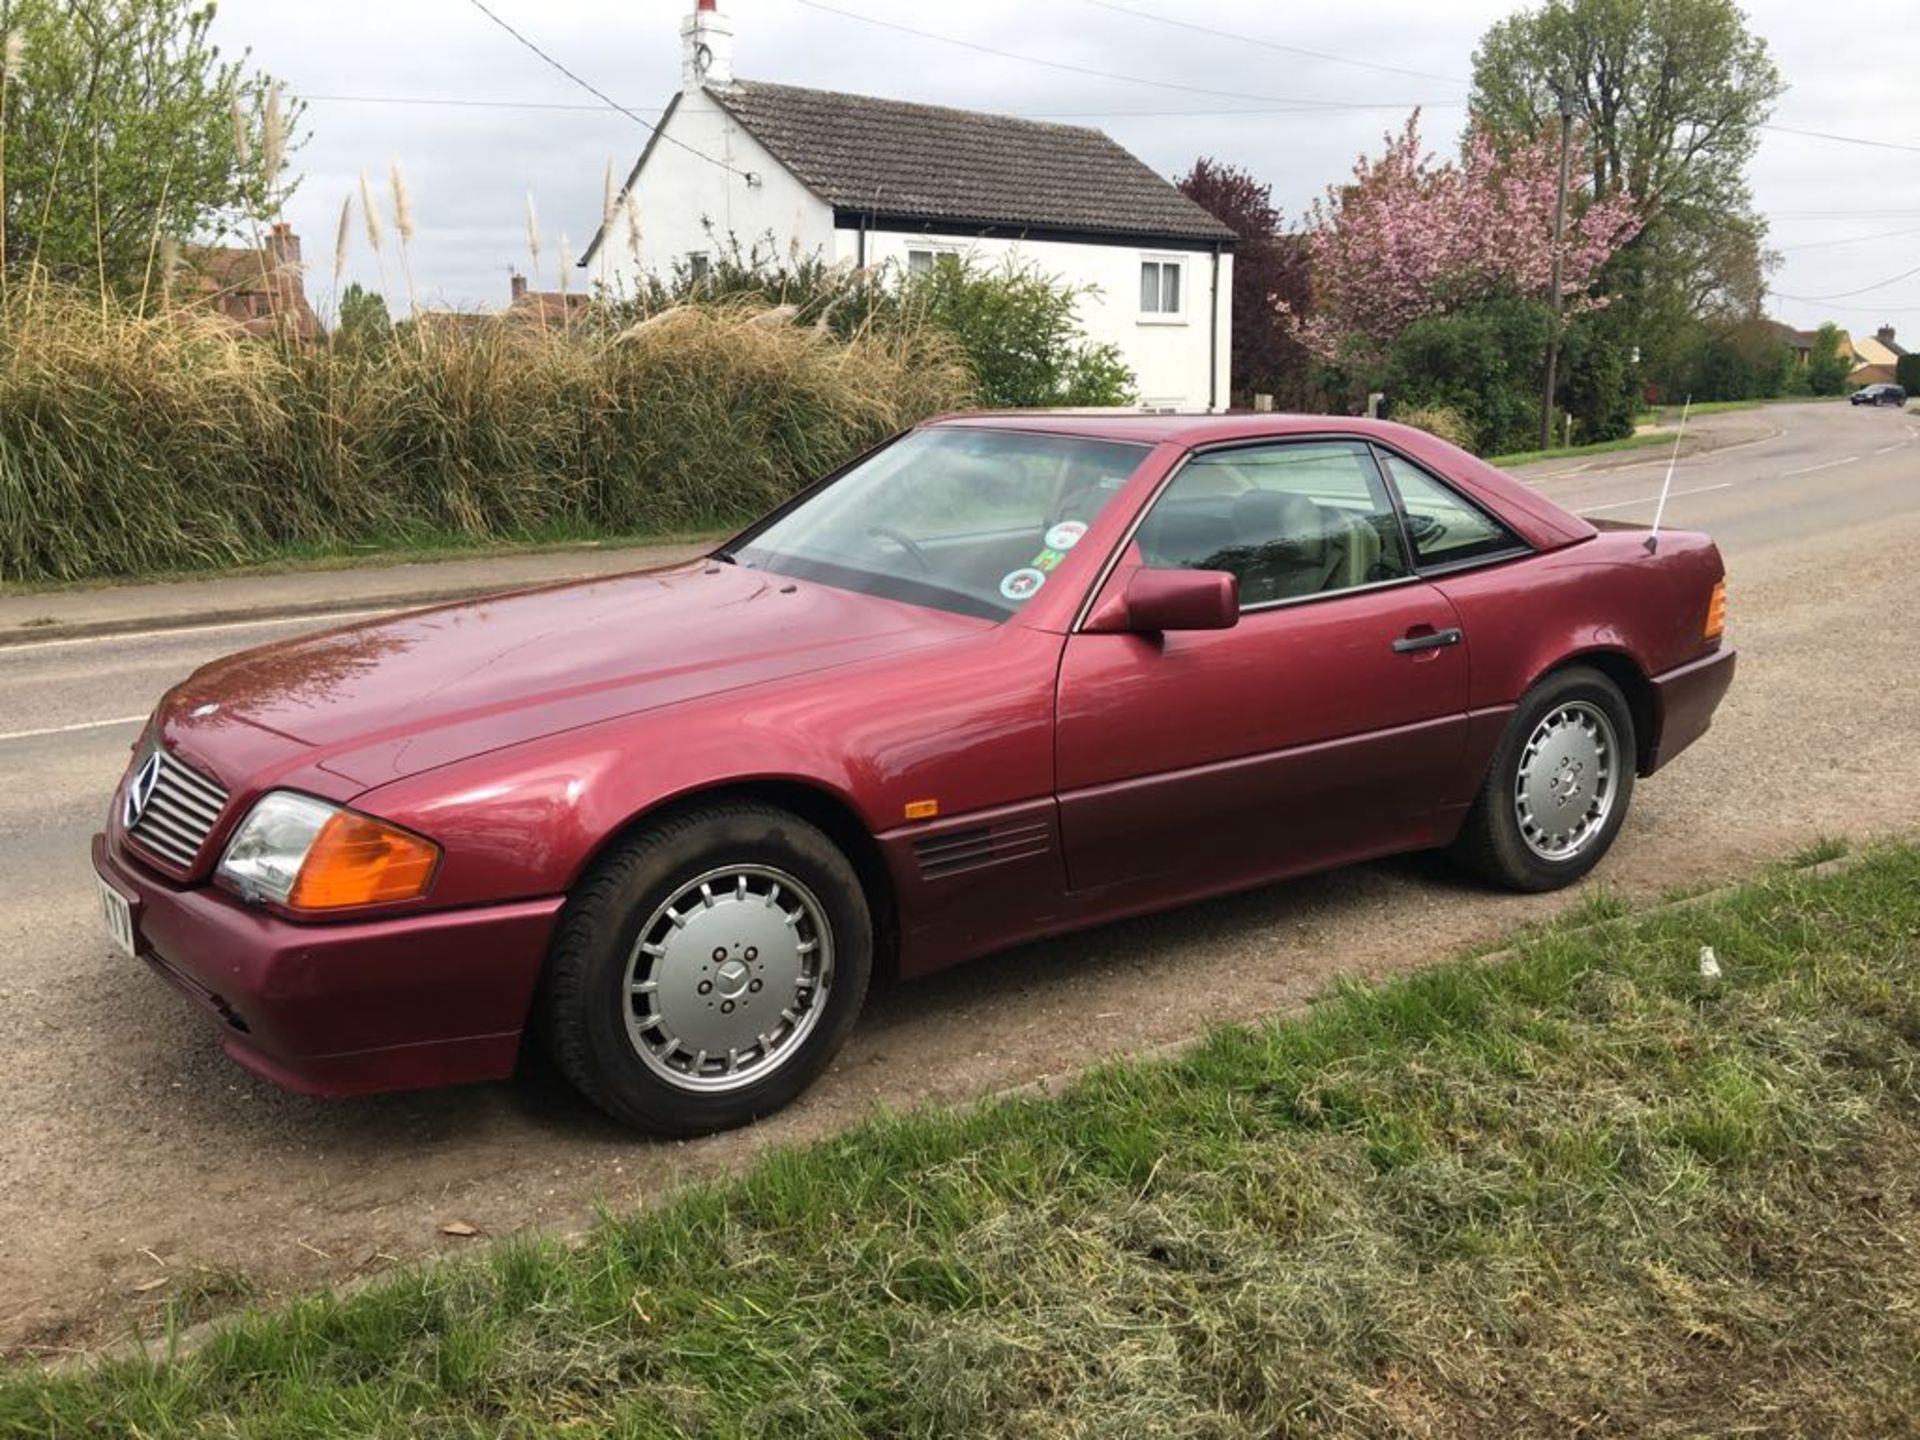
pixel 1815 469
pixel 317 619
pixel 70 729
pixel 1649 499
pixel 1889 449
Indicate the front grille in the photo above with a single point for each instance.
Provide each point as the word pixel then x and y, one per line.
pixel 181 811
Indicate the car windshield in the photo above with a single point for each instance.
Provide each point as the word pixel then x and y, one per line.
pixel 961 518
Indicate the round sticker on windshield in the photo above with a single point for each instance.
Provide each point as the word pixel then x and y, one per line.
pixel 1066 534
pixel 1020 584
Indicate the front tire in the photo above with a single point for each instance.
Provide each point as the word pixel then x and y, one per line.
pixel 1558 788
pixel 707 969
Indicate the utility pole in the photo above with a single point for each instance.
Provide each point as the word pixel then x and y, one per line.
pixel 1559 238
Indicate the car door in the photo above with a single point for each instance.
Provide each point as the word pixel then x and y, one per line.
pixel 1323 727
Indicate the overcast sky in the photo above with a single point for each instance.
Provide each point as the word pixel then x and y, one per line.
pixel 362 64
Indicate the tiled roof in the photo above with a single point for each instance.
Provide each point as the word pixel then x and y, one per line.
pixel 930 163
pixel 1791 337
pixel 259 291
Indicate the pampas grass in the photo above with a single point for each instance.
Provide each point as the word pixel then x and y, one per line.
pixel 633 226
pixel 403 225
pixel 135 443
pixel 273 146
pixel 242 135
pixel 533 238
pixel 340 239
pixel 370 214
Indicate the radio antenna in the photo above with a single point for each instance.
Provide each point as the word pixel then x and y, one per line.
pixel 1653 535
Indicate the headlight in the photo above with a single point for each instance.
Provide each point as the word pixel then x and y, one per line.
pixel 309 855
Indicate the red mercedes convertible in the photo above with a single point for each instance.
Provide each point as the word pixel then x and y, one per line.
pixel 1003 677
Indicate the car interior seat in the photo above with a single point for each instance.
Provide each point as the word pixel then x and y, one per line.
pixel 1283 546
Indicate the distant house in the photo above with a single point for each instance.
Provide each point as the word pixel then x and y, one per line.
pixel 525 310
pixel 867 182
pixel 542 306
pixel 1800 342
pixel 1876 358
pixel 262 291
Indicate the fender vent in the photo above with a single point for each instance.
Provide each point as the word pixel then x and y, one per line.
pixel 957 851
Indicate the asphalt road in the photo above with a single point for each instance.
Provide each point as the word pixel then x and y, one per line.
pixel 137 1163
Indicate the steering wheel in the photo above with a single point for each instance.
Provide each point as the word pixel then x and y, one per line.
pixel 906 543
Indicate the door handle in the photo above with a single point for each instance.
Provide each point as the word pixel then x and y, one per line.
pixel 1432 640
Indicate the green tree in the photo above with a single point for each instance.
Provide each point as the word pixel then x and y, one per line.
pixel 364 319
pixel 124 126
pixel 1599 392
pixel 1021 336
pixel 1668 97
pixel 1483 362
pixel 1906 372
pixel 1827 363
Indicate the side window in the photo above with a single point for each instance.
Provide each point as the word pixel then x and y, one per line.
pixel 1445 527
pixel 1288 520
pixel 1160 287
pixel 922 259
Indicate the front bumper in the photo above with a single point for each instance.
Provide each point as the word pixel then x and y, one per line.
pixel 348 1008
pixel 1684 700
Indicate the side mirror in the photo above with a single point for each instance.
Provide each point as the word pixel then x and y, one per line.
pixel 1155 601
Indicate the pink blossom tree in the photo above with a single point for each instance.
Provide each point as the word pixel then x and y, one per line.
pixel 1408 238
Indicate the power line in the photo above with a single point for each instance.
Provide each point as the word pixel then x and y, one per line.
pixel 1241 38
pixel 1849 294
pixel 465 103
pixel 1843 139
pixel 1329 107
pixel 602 95
pixel 1845 214
pixel 1073 69
pixel 1271 44
pixel 1849 240
pixel 1881 310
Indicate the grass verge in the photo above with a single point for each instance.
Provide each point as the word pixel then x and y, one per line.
pixel 417 548
pixel 1564 452
pixel 1576 1188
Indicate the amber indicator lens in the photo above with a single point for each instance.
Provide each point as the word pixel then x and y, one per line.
pixel 356 860
pixel 1717 612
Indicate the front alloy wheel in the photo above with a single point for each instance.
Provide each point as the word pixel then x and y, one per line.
pixel 707 968
pixel 728 978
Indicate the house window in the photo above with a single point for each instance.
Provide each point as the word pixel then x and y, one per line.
pixel 698 265
pixel 1160 287
pixel 921 259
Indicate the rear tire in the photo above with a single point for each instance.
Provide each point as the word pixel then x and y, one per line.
pixel 1558 788
pixel 707 969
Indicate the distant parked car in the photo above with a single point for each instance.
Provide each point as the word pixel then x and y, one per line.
pixel 1007 676
pixel 1878 395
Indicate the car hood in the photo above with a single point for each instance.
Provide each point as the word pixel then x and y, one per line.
pixel 372 702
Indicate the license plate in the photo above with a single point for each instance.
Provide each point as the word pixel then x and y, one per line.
pixel 116 913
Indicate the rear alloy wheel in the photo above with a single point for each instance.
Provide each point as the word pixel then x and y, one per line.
pixel 1557 790
pixel 707 969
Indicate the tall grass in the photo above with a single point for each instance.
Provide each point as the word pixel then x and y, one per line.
pixel 132 443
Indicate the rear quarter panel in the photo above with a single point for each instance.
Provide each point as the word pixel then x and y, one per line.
pixel 1604 596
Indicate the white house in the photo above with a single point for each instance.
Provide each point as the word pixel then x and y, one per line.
pixel 864 181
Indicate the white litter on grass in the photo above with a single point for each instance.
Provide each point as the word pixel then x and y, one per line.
pixel 1709 963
